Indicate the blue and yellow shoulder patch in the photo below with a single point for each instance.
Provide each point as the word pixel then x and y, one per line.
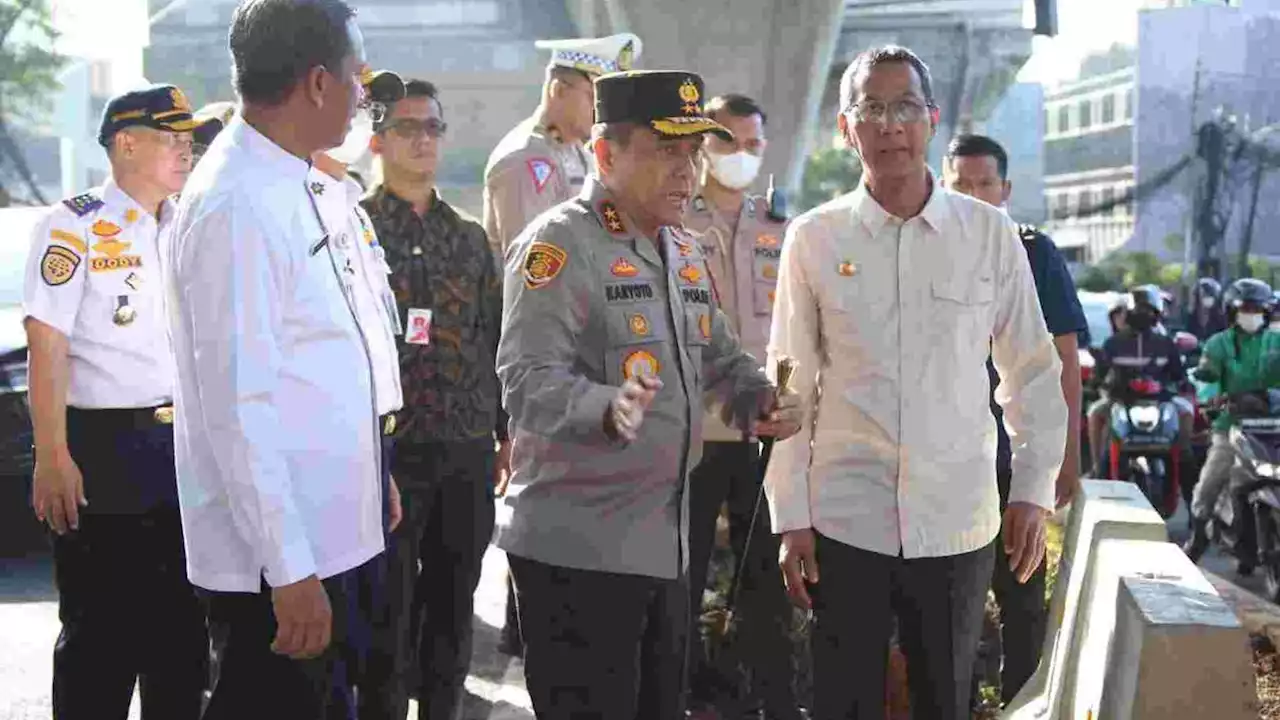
pixel 83 204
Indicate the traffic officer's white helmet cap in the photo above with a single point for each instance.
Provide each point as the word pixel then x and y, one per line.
pixel 594 56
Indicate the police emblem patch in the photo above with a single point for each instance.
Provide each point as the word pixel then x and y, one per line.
pixel 768 241
pixel 846 268
pixel 123 262
pixel 541 170
pixel 770 272
pixel 690 273
pixel 542 263
pixel 58 265
pixel 640 362
pixel 111 247
pixel 639 325
pixel 623 268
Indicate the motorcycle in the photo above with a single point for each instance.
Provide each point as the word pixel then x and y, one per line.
pixel 1246 519
pixel 1144 444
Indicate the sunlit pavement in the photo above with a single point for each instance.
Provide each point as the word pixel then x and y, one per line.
pixel 29 626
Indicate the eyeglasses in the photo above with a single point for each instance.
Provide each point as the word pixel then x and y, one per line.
pixel 903 112
pixel 410 129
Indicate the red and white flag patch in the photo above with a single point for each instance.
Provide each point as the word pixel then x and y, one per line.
pixel 541 170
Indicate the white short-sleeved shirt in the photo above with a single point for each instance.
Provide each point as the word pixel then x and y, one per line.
pixel 94 274
pixel 367 271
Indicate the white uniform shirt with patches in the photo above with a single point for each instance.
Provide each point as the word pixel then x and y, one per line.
pixel 94 275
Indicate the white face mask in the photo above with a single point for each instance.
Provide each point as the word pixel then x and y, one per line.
pixel 1208 302
pixel 735 171
pixel 1249 322
pixel 356 143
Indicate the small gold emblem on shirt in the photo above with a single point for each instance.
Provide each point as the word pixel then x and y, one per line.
pixel 847 269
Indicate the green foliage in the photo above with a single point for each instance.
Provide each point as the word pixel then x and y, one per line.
pixel 828 174
pixel 1175 243
pixel 28 65
pixel 1171 275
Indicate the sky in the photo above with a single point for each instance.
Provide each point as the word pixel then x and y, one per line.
pixel 1084 27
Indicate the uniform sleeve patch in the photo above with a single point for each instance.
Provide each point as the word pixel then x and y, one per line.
pixel 542 263
pixel 541 170
pixel 69 238
pixel 84 204
pixel 58 265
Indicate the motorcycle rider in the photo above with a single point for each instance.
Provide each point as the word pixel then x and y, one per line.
pixel 1138 350
pixel 1205 317
pixel 1243 358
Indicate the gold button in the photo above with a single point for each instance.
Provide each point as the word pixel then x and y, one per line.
pixel 164 415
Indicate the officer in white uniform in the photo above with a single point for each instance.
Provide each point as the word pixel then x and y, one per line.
pixel 101 391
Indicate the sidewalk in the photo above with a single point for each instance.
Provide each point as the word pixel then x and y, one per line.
pixel 29 627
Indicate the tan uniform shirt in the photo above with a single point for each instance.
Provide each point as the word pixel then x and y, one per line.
pixel 742 254
pixel 588 303
pixel 530 171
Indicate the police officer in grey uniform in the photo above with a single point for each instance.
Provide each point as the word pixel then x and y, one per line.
pixel 102 376
pixel 611 337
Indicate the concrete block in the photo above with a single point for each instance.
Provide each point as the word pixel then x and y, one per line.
pixel 1103 509
pixel 1178 651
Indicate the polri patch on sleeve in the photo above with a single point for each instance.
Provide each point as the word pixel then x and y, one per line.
pixel 83 204
pixel 541 170
pixel 542 263
pixel 58 265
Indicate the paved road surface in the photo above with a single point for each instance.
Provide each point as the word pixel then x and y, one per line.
pixel 29 626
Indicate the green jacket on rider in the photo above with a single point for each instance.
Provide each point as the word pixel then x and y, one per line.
pixel 1240 363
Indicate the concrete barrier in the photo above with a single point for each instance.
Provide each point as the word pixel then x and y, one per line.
pixel 1113 533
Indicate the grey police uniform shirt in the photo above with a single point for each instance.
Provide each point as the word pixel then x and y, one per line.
pixel 588 303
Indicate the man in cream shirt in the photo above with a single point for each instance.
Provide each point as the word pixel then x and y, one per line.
pixel 890 299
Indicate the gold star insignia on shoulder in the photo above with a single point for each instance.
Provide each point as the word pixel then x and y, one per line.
pixel 612 220
pixel 317 188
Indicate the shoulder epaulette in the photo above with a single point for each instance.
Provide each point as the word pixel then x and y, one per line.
pixel 83 204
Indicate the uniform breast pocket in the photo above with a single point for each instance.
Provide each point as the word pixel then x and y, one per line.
pixel 764 279
pixel 964 303
pixel 638 337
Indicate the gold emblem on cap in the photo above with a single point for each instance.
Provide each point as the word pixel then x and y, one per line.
pixel 179 100
pixel 690 95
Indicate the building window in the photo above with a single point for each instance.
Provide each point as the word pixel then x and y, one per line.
pixel 1086 114
pixel 1107 196
pixel 1048 123
pixel 100 79
pixel 1108 109
pixel 1064 118
pixel 1085 203
pixel 1128 104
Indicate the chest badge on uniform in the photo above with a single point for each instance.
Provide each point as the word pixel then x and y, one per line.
pixel 542 263
pixel 124 313
pixel 541 170
pixel 134 281
pixel 317 188
pixel 767 241
pixel 704 325
pixel 623 267
pixel 847 269
pixel 640 362
pixel 612 218
pixel 58 265
pixel 690 274
pixel 105 229
pixel 639 325
pixel 131 216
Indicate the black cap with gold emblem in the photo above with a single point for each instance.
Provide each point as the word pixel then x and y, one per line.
pixel 162 107
pixel 670 102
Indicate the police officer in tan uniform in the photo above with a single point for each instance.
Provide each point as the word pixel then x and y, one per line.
pixel 740 235
pixel 611 337
pixel 542 161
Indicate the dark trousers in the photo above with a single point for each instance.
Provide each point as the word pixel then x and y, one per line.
pixel 1022 613
pixel 600 645
pixel 938 602
pixel 730 473
pixel 251 681
pixel 128 613
pixel 446 491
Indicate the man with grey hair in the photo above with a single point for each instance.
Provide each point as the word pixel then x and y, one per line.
pixel 892 492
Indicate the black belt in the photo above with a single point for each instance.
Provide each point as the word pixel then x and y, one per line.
pixel 388 424
pixel 128 418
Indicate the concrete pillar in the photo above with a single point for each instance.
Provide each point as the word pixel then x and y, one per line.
pixel 1178 652
pixel 775 51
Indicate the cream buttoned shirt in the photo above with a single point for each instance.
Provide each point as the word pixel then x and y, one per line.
pixel 892 322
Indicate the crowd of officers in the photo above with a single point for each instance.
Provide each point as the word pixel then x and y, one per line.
pixel 198 397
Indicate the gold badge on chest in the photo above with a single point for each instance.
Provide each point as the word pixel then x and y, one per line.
pixel 124 313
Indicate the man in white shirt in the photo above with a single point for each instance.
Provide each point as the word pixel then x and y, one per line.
pixel 101 386
pixel 890 299
pixel 278 432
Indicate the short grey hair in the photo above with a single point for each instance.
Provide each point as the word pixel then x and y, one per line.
pixel 868 59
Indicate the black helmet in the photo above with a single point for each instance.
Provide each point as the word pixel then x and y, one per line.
pixel 1252 292
pixel 1208 287
pixel 1148 297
